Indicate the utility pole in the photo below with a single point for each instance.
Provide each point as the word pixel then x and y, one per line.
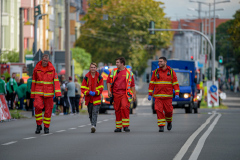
pixel 21 39
pixel 34 5
pixel 0 30
pixel 67 41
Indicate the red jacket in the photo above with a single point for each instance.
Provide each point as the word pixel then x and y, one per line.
pixel 164 85
pixel 86 87
pixel 44 83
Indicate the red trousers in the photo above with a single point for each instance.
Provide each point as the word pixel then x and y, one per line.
pixel 39 103
pixel 122 108
pixel 164 110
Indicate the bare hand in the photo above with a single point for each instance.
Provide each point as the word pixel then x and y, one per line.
pixel 109 94
pixel 134 98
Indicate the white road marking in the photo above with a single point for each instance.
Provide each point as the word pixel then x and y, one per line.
pixel 82 126
pixel 89 124
pixel 99 122
pixel 72 128
pixel 46 134
pixel 5 144
pixel 105 120
pixel 187 144
pixel 29 138
pixel 202 140
pixel 61 131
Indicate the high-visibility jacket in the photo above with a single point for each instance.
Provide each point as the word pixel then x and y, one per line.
pixel 129 76
pixel 44 83
pixel 86 87
pixel 162 83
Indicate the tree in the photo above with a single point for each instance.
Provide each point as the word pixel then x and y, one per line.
pixel 81 57
pixel 119 28
pixel 10 56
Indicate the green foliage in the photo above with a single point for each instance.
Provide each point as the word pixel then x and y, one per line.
pixel 10 56
pixel 28 52
pixel 228 39
pixel 81 57
pixel 125 32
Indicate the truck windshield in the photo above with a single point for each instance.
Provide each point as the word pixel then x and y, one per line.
pixel 183 78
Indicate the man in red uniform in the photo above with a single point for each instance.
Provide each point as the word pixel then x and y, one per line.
pixel 163 81
pixel 44 83
pixel 92 87
pixel 121 86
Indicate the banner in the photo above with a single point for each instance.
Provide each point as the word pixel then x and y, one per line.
pixel 4 112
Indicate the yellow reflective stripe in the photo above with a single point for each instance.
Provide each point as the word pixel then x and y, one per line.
pixel 125 124
pixel 175 83
pixel 177 91
pixel 99 87
pixel 118 122
pixel 168 118
pixel 118 126
pixel 98 92
pixel 99 101
pixel 48 94
pixel 125 120
pixel 47 82
pixel 37 93
pixel 162 95
pixel 39 81
pixel 150 90
pixel 39 118
pixel 84 87
pixel 33 81
pixel 162 123
pixel 85 93
pixel 56 80
pixel 161 120
pixel 152 82
pixel 162 82
pixel 47 118
pixel 57 90
pixel 46 122
pixel 37 115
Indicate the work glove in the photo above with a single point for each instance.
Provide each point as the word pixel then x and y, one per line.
pixel 92 93
pixel 149 98
pixel 177 97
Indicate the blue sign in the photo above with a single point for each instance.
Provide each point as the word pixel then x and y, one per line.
pixel 213 88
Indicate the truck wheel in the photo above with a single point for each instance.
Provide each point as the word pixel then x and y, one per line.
pixel 189 109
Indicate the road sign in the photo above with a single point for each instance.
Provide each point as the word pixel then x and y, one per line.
pixel 212 94
pixel 36 56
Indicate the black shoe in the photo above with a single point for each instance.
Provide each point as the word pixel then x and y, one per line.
pixel 118 130
pixel 126 129
pixel 161 129
pixel 169 126
pixel 38 130
pixel 46 130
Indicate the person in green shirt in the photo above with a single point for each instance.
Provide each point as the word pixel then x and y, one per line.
pixel 12 86
pixel 2 86
pixel 28 93
pixel 21 93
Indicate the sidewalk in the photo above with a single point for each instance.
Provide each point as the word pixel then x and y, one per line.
pixel 232 100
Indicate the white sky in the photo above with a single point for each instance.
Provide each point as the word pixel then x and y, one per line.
pixel 178 9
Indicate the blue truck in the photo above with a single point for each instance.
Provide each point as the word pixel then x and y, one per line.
pixel 185 71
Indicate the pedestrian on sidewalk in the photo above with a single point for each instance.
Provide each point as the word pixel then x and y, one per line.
pixel 21 93
pixel 71 95
pixel 121 88
pixel 44 83
pixel 161 86
pixel 92 87
pixel 12 86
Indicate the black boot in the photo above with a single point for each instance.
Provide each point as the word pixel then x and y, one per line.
pixel 169 126
pixel 38 130
pixel 161 129
pixel 126 129
pixel 46 130
pixel 118 130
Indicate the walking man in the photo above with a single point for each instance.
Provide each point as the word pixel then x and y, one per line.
pixel 71 95
pixel 92 87
pixel 161 86
pixel 44 83
pixel 12 86
pixel 121 88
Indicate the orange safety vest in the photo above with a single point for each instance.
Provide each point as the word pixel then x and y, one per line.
pixel 129 75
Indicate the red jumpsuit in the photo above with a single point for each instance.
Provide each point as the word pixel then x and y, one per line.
pixel 44 83
pixel 163 86
pixel 123 81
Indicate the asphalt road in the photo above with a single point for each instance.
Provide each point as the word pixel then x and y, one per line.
pixel 209 135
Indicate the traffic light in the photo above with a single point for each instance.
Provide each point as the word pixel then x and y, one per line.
pixel 208 73
pixel 152 26
pixel 37 11
pixel 217 73
pixel 220 59
pixel 191 57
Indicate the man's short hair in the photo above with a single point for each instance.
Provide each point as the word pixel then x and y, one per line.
pixel 164 58
pixel 121 59
pixel 95 64
pixel 13 73
pixel 45 56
